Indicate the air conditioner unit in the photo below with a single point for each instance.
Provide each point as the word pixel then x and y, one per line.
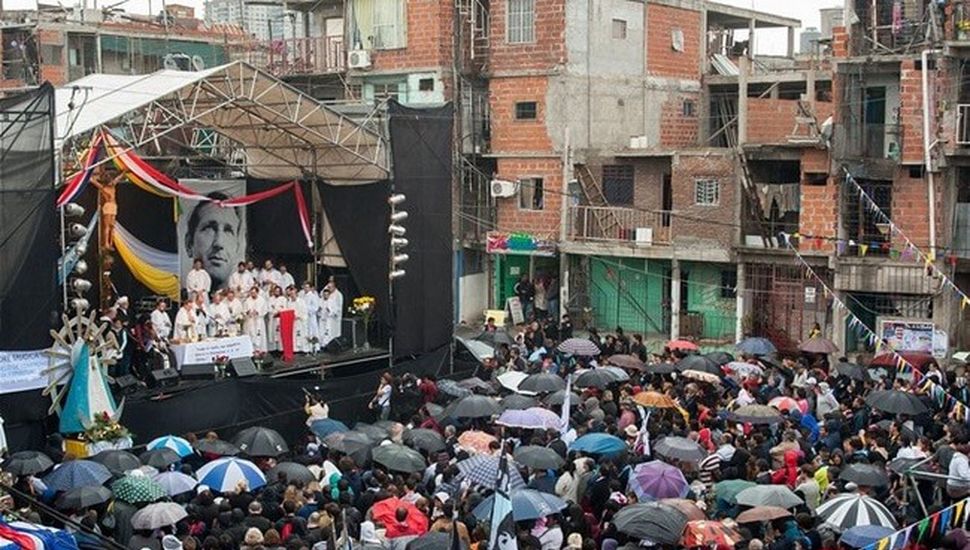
pixel 502 189
pixel 644 236
pixel 358 59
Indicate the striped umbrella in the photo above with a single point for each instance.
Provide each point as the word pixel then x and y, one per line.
pixel 851 509
pixel 483 470
pixel 579 346
pixel 708 533
pixel 177 444
pixel 138 489
pixel 224 474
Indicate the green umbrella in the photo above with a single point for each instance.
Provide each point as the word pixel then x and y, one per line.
pixel 727 491
pixel 135 489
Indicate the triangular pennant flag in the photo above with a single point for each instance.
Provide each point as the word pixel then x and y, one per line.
pixel 958 508
pixel 883 543
pixel 840 247
pixel 922 525
pixel 863 248
pixel 906 534
pixel 945 519
pixel 893 539
pixel 934 521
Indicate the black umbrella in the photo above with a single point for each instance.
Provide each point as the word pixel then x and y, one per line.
pixel 435 410
pixel 755 414
pixel 374 432
pixel 853 371
pixel 653 521
pixel 720 357
pixel 626 361
pixel 538 458
pixel 25 463
pixel 452 389
pixel 473 406
pixel 495 338
pixel 399 458
pixel 217 447
pixel 476 383
pixel 434 541
pixel 896 402
pixel 425 439
pixel 292 470
pixel 542 382
pixel 83 497
pixel 519 402
pixel 661 368
pixel 680 448
pixel 355 444
pixel 557 399
pixel 160 458
pixel 259 441
pixel 699 363
pixel 867 475
pixel 117 462
pixel 596 378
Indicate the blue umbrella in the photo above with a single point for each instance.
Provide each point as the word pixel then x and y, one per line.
pixel 76 473
pixel 177 444
pixel 327 426
pixel 861 536
pixel 526 504
pixel 599 444
pixel 756 346
pixel 224 474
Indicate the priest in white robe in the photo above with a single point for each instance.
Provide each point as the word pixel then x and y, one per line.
pixel 301 343
pixel 334 313
pixel 197 280
pixel 312 303
pixel 161 323
pixel 185 322
pixel 236 313
pixel 219 315
pixel 254 326
pixel 275 304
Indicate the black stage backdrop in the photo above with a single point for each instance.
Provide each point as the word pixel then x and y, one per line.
pixel 359 215
pixel 274 225
pixel 421 142
pixel 28 220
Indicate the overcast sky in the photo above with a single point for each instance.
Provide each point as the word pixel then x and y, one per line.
pixel 770 43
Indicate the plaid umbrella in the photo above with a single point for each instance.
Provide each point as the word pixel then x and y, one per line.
pixel 755 414
pixel 137 489
pixel 896 402
pixel 818 345
pixel 579 346
pixel 535 418
pixel 451 388
pixel 475 441
pixel 483 470
pixel 680 448
pixel 160 458
pixel 653 521
pixel 538 458
pixel 756 346
pixel 681 345
pixel 399 458
pixel 76 473
pixel 177 444
pixel 851 509
pixel 326 426
pixel 769 495
pixel 83 497
pixel 596 378
pixel 709 533
pixel 117 462
pixel 542 382
pixel 867 475
pixel 425 440
pixel 158 515
pixel 217 447
pixel 25 463
pixel 516 401
pixel 175 483
pixel 762 513
pixel 655 400
pixel 626 361
pixel 656 480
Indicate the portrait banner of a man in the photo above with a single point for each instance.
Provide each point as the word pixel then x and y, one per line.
pixel 210 233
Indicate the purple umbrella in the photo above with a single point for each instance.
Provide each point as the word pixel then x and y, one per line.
pixel 535 418
pixel 657 480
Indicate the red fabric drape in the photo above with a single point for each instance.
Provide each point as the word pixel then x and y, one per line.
pixel 287 320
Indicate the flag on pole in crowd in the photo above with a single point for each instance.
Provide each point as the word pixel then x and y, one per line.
pixel 567 434
pixel 345 542
pixel 642 444
pixel 503 535
pixel 455 538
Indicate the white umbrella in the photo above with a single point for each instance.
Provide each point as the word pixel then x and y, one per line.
pixel 175 483
pixel 224 475
pixel 510 380
pixel 160 514
pixel 851 509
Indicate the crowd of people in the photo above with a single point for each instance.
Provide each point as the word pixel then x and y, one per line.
pixel 823 430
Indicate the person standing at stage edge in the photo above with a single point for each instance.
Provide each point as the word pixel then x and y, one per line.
pixel 333 312
pixel 198 281
pixel 254 326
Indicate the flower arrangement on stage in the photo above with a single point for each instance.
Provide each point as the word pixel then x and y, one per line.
pixel 364 307
pixel 220 365
pixel 105 429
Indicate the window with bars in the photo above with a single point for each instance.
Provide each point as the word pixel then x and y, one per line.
pixel 520 27
pixel 864 227
pixel 707 192
pixel 526 110
pixel 530 193
pixel 618 183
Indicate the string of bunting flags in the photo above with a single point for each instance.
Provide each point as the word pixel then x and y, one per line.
pixel 937 392
pixel 938 523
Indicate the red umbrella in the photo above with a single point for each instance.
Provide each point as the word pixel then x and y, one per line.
pixel 784 403
pixel 709 533
pixel 385 510
pixel 919 360
pixel 818 345
pixel 682 345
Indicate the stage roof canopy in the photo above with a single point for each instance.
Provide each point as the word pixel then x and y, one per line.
pixel 284 133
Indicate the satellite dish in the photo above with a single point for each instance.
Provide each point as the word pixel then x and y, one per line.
pixel 169 63
pixel 198 63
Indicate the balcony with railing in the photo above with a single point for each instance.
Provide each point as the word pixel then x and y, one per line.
pixel 615 225
pixel 300 56
pixel 962 139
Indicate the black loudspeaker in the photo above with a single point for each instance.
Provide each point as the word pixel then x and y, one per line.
pixel 201 370
pixel 127 383
pixel 242 367
pixel 337 345
pixel 165 377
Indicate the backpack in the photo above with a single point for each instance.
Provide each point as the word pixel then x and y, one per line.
pixel 287 531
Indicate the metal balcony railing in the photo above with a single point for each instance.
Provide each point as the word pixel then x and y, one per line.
pixel 296 56
pixel 963 124
pixel 620 225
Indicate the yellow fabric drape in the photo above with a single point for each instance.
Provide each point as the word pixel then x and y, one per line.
pixel 156 280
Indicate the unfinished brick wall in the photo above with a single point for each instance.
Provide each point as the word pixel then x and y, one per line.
pixel 819 203
pixel 773 120
pixel 430 38
pixel 678 129
pixel 910 209
pixel 545 222
pixel 662 59
pixel 911 112
pixel 546 52
pixel 703 223
pixel 509 134
pixel 840 42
